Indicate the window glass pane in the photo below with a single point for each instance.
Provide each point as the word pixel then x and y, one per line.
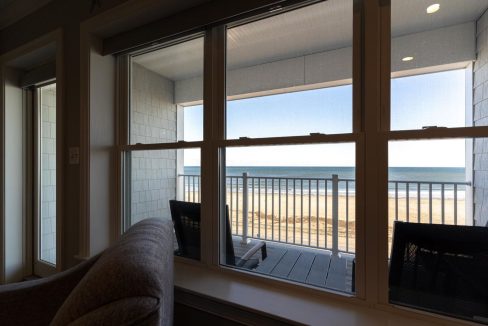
pixel 291 74
pixel 166 84
pixel 438 56
pixel 299 202
pixel 435 173
pixel 47 177
pixel 437 189
pixel 156 177
pixel 434 99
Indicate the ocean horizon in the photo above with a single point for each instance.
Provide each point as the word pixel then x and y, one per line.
pixel 411 174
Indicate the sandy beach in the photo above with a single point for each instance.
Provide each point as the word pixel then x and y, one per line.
pixel 307 220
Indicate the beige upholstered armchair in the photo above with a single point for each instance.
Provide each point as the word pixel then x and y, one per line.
pixel 130 283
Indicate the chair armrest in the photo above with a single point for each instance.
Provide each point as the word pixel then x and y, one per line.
pixel 36 302
pixel 259 245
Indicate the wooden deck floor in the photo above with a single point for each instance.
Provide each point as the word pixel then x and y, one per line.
pixel 305 265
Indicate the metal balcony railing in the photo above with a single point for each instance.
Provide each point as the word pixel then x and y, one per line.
pixel 320 212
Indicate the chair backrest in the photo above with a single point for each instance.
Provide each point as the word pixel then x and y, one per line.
pixel 440 268
pixel 186 220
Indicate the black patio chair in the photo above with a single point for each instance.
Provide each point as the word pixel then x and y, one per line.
pixel 186 220
pixel 440 268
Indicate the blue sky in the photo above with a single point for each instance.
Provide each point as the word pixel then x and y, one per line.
pixel 422 100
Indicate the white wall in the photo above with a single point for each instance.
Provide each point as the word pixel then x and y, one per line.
pixel 102 141
pixel 14 178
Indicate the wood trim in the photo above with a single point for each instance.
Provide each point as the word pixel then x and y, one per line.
pixel 161 146
pixel 216 170
pixel 372 153
pixel 189 21
pixel 382 164
pixel 60 152
pixel 122 105
pixel 463 132
pixel 56 37
pixel 292 140
pixel 228 312
pixel 2 173
pixel 84 222
pixel 19 9
pixel 29 181
pixel 358 62
pixel 39 75
pixel 207 230
pixel 219 279
pixel 385 65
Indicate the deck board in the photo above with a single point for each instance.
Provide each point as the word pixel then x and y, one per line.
pixel 337 277
pixel 305 265
pixel 302 267
pixel 285 265
pixel 318 271
pixel 267 265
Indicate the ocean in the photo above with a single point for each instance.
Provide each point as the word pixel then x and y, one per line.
pixel 411 174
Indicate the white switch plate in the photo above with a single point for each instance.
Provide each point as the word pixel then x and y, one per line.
pixel 74 155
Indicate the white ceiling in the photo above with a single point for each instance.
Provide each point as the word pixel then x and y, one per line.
pixel 316 28
pixel 410 16
pixel 177 62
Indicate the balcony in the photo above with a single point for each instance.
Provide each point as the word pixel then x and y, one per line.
pixel 309 224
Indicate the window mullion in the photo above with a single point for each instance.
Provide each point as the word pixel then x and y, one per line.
pixel 375 156
pixel 214 130
pixel 384 80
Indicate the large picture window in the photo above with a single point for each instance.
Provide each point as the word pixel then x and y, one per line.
pixel 322 130
pixel 289 210
pixel 436 170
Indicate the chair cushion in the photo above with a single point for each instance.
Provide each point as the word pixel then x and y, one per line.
pixel 130 311
pixel 130 280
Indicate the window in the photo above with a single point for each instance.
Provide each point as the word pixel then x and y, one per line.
pixel 429 99
pixel 307 150
pixel 325 110
pixel 430 182
pixel 161 158
pixel 46 156
pixel 435 165
pixel 291 75
pixel 166 84
pixel 285 80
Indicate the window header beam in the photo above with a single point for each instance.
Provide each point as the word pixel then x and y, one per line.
pixel 190 21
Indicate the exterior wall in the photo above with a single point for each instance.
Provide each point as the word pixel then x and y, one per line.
pixel 153 115
pixel 332 68
pixel 48 174
pixel 480 118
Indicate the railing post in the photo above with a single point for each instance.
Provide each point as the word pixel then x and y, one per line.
pixel 245 211
pixel 335 214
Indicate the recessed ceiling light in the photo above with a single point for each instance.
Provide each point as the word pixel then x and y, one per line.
pixel 407 59
pixel 433 8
